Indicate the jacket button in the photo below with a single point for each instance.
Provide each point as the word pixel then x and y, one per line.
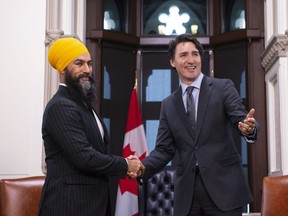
pixel 196 147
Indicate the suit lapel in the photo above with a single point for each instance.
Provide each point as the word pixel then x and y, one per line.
pixel 204 96
pixel 180 109
pixel 105 139
pixel 102 144
pixel 74 95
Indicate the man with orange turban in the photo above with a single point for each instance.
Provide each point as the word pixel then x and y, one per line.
pixel 76 140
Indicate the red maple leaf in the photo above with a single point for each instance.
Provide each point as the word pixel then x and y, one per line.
pixel 127 151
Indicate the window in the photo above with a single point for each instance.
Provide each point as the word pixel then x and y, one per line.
pixel 115 15
pixel 157 76
pixel 174 17
pixel 233 15
pixel 158 82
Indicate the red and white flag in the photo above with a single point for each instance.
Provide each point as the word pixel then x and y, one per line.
pixel 134 144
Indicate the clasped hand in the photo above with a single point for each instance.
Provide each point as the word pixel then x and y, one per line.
pixel 135 167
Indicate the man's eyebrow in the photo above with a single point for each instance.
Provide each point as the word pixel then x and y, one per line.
pixel 81 60
pixel 184 52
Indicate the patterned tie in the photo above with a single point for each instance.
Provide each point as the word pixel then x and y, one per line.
pixel 190 107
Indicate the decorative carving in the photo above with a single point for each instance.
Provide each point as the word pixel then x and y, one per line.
pixel 52 35
pixel 278 47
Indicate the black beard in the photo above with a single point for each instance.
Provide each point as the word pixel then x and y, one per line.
pixel 86 89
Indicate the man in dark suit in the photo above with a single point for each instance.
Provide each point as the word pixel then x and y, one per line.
pixel 76 140
pixel 209 176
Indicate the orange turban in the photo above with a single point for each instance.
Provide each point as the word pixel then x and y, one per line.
pixel 63 51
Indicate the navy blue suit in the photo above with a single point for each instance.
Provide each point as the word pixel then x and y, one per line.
pixel 219 110
pixel 78 164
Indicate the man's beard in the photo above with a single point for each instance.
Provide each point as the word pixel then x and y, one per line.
pixel 86 89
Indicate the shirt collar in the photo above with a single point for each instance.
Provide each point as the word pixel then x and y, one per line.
pixel 196 83
pixel 63 84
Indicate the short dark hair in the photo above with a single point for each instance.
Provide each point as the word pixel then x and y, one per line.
pixel 183 38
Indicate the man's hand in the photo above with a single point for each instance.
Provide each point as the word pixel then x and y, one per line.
pixel 135 167
pixel 247 127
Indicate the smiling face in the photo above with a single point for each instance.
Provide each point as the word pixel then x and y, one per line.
pixel 80 67
pixel 187 62
pixel 78 75
pixel 79 71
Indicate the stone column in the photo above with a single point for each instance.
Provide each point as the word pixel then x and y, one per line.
pixel 275 62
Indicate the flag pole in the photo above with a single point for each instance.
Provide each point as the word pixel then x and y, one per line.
pixel 135 82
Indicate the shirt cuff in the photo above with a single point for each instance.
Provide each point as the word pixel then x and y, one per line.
pixel 251 137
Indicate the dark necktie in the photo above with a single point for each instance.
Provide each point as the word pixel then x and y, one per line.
pixel 190 107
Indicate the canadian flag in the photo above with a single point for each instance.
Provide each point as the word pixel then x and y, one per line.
pixel 134 144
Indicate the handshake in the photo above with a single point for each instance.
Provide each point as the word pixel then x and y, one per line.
pixel 135 167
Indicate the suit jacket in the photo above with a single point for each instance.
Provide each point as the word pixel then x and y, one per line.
pixel 78 164
pixel 219 110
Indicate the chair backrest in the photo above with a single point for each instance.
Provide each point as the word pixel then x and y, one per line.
pixel 275 196
pixel 20 196
pixel 156 196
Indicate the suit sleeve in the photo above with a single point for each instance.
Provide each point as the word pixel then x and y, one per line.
pixel 165 147
pixel 64 124
pixel 235 108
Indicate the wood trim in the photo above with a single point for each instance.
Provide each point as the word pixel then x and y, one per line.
pixel 114 36
pixel 96 54
pixel 214 17
pixel 232 36
pixel 132 11
pixel 94 16
pixel 163 41
pixel 257 152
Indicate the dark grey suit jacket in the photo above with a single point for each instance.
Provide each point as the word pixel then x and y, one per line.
pixel 219 109
pixel 78 164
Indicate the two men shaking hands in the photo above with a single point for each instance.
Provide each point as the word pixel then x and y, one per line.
pixel 135 167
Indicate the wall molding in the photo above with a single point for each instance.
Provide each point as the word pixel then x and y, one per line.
pixel 277 47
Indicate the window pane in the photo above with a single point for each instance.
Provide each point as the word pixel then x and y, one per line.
pixel 154 91
pixel 151 133
pixel 115 15
pixel 107 86
pixel 233 15
pixel 107 95
pixel 174 17
pixel 107 124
